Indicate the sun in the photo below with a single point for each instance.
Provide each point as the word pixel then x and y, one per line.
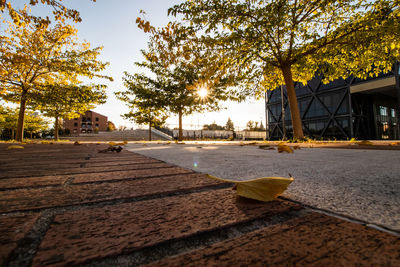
pixel 202 92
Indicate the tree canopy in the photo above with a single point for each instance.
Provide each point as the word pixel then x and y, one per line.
pixel 22 16
pixel 142 108
pixel 33 60
pixel 65 100
pixel 213 127
pixel 177 74
pixel 35 123
pixel 229 126
pixel 278 42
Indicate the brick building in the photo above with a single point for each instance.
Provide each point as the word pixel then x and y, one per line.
pixel 90 122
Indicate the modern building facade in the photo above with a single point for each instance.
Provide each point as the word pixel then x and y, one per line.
pixel 90 122
pixel 343 109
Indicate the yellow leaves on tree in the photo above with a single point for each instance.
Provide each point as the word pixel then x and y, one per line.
pixel 33 57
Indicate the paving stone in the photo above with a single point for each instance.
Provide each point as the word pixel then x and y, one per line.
pixel 94 160
pixel 55 171
pixel 142 173
pixel 40 198
pixel 312 240
pixel 13 229
pixel 59 165
pixel 79 236
pixel 146 169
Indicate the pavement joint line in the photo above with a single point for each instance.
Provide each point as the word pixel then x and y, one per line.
pixel 49 165
pixel 174 247
pixel 27 247
pixel 345 217
pixel 135 178
pixel 116 201
pixel 92 182
pixel 86 171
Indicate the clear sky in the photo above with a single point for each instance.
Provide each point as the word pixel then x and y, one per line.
pixel 111 24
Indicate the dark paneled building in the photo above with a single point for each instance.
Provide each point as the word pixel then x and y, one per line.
pixel 90 122
pixel 342 109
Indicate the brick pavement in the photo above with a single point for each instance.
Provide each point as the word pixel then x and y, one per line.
pixel 63 205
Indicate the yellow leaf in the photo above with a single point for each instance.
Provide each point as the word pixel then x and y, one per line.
pixel 15 147
pixel 262 189
pixel 365 143
pixel 284 148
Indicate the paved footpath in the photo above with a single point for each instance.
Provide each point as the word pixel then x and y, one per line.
pixel 64 204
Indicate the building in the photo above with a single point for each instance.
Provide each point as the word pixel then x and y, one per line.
pixel 342 109
pixel 90 122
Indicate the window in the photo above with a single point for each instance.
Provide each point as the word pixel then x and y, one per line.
pixel 97 125
pixel 75 124
pixel 383 111
pixel 393 112
pixel 97 119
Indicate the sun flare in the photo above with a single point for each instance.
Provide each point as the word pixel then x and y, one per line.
pixel 202 92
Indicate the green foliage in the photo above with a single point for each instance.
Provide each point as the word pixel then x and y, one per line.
pixel 177 74
pixel 254 126
pixel 229 125
pixel 34 123
pixel 278 42
pixel 213 127
pixel 36 60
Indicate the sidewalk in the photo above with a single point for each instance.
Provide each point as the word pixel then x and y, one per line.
pixel 62 204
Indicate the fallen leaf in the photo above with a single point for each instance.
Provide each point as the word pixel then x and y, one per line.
pixel 15 147
pixel 262 189
pixel 365 143
pixel 284 148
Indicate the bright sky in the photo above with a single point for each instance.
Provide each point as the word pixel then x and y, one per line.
pixel 111 23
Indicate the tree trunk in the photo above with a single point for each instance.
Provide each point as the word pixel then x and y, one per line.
pixel 149 130
pixel 180 136
pixel 294 107
pixel 21 117
pixel 31 135
pixel 56 128
pixel 12 134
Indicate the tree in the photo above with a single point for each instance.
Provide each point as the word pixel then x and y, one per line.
pixel 282 41
pixel 177 75
pixel 250 126
pixel 33 57
pixel 21 16
pixel 67 101
pixel 229 125
pixel 110 126
pixel 35 123
pixel 213 127
pixel 142 108
pixel 9 121
pixel 147 115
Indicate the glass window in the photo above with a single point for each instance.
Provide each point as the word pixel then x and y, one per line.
pixel 383 111
pixel 97 125
pixel 97 119
pixel 332 100
pixel 393 112
pixel 303 105
pixel 316 110
pixel 275 111
pixel 75 124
